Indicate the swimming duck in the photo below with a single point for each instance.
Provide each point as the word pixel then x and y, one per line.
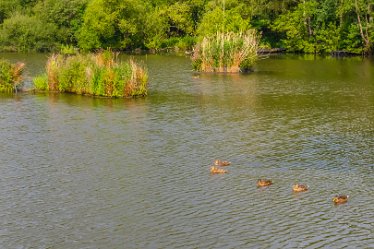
pixel 264 182
pixel 215 170
pixel 221 163
pixel 340 199
pixel 299 188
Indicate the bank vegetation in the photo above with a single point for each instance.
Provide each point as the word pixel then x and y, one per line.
pixel 302 26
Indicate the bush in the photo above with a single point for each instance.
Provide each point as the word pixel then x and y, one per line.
pixel 93 74
pixel 10 76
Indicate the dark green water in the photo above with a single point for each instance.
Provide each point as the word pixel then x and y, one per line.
pixel 81 172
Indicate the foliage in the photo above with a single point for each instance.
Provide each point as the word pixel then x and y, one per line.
pixel 226 52
pixel 298 28
pixel 315 27
pixel 41 82
pixel 68 50
pixel 156 28
pixel 114 23
pixel 169 26
pixel 306 26
pixel 7 7
pixel 22 32
pixel 98 74
pixel 10 76
pixel 221 19
pixel 65 15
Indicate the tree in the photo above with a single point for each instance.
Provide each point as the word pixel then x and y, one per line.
pixel 309 26
pixel 364 11
pixel 7 7
pixel 356 24
pixel 111 23
pixel 22 32
pixel 223 16
pixel 67 15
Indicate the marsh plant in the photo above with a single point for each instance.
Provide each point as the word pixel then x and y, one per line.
pixel 226 52
pixel 10 76
pixel 99 74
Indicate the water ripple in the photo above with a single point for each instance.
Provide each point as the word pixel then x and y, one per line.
pixel 96 173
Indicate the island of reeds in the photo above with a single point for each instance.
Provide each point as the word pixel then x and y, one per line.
pixel 99 74
pixel 10 76
pixel 228 52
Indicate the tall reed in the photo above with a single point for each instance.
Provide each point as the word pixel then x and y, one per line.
pixel 226 52
pixel 10 76
pixel 98 74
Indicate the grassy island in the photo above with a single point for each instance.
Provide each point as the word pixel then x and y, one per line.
pixel 226 52
pixel 100 74
pixel 10 76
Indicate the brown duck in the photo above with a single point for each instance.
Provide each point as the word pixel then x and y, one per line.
pixel 216 170
pixel 340 199
pixel 299 188
pixel 264 182
pixel 221 163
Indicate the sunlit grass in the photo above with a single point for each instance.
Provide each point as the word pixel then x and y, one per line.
pixel 99 74
pixel 10 76
pixel 226 52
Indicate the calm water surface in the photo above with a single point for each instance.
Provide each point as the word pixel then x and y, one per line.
pixel 81 172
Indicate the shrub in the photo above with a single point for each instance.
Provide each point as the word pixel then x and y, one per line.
pixel 10 76
pixel 226 52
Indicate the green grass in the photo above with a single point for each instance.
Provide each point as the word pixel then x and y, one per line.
pixel 226 52
pixel 68 50
pixel 10 76
pixel 41 82
pixel 98 74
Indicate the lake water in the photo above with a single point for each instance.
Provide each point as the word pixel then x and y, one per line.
pixel 82 172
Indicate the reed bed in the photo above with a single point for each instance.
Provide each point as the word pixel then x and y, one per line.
pixel 10 76
pixel 226 52
pixel 99 74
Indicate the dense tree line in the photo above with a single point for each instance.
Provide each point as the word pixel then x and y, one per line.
pixel 310 26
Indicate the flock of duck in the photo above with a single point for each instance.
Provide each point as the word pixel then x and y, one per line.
pixel 217 169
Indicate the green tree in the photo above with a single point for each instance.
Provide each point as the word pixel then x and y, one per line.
pixel 356 24
pixel 164 25
pixel 156 27
pixel 7 7
pixel 224 16
pixel 21 32
pixel 364 13
pixel 66 15
pixel 112 23
pixel 298 27
pixel 309 27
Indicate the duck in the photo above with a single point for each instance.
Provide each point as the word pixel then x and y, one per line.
pixel 340 199
pixel 216 170
pixel 264 182
pixel 300 188
pixel 221 163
